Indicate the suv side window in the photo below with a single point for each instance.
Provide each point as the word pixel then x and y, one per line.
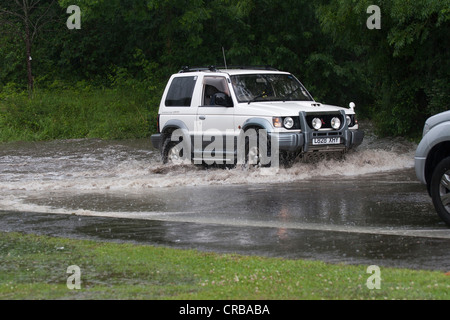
pixel 180 92
pixel 211 86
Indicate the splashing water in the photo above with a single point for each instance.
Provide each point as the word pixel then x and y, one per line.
pixel 131 166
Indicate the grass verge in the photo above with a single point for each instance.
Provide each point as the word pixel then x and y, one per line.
pixel 73 113
pixel 35 267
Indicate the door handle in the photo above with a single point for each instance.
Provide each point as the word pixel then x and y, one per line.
pixel 202 117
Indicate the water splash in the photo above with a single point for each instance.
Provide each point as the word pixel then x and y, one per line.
pixel 131 166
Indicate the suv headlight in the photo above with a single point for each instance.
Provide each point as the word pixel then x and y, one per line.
pixel 317 123
pixel 288 122
pixel 335 123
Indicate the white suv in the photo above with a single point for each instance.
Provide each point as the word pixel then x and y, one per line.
pixel 209 115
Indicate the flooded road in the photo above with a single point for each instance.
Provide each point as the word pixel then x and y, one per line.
pixel 368 209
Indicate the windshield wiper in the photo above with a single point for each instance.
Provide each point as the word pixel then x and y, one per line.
pixel 258 96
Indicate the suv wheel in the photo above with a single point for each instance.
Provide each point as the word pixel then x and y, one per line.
pixel 253 151
pixel 172 151
pixel 440 189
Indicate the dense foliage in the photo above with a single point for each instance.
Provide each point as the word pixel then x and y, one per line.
pixel 397 75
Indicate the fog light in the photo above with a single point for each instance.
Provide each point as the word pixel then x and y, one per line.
pixel 317 123
pixel 288 123
pixel 335 123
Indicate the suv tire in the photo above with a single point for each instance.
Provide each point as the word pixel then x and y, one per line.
pixel 253 151
pixel 170 151
pixel 440 189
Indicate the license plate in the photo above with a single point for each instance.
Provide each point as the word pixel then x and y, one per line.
pixel 322 141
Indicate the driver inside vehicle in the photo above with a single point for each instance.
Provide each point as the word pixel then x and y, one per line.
pixel 212 86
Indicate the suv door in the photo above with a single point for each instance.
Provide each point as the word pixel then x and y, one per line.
pixel 215 119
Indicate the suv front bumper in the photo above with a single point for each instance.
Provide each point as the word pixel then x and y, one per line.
pixel 303 141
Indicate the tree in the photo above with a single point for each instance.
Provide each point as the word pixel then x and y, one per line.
pixel 26 20
pixel 403 67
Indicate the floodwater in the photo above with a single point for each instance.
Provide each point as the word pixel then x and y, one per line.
pixel 367 209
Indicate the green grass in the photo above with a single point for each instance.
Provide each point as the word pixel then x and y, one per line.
pixel 73 113
pixel 34 267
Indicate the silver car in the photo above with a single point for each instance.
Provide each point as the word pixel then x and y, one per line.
pixel 432 162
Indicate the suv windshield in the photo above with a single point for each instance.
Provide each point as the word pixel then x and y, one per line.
pixel 269 87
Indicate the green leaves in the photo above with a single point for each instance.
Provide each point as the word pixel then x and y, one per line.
pixel 406 69
pixel 396 75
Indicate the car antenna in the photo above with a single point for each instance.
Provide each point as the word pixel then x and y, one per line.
pixel 224 59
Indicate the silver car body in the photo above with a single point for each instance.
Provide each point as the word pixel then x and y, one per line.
pixel 436 131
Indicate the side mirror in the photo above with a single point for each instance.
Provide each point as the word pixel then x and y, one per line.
pixel 352 105
pixel 221 99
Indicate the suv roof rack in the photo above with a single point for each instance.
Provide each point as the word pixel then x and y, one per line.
pixel 215 69
pixel 252 68
pixel 196 69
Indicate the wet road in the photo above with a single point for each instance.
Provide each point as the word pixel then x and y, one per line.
pixel 369 209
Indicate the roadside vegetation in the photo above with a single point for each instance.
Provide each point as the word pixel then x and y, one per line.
pixel 105 79
pixel 35 267
pixel 63 112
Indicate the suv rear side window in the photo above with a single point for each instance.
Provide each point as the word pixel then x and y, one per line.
pixel 180 92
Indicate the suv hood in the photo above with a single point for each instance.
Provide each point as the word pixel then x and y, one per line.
pixel 289 108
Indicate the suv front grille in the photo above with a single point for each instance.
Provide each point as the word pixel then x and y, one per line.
pixel 326 120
